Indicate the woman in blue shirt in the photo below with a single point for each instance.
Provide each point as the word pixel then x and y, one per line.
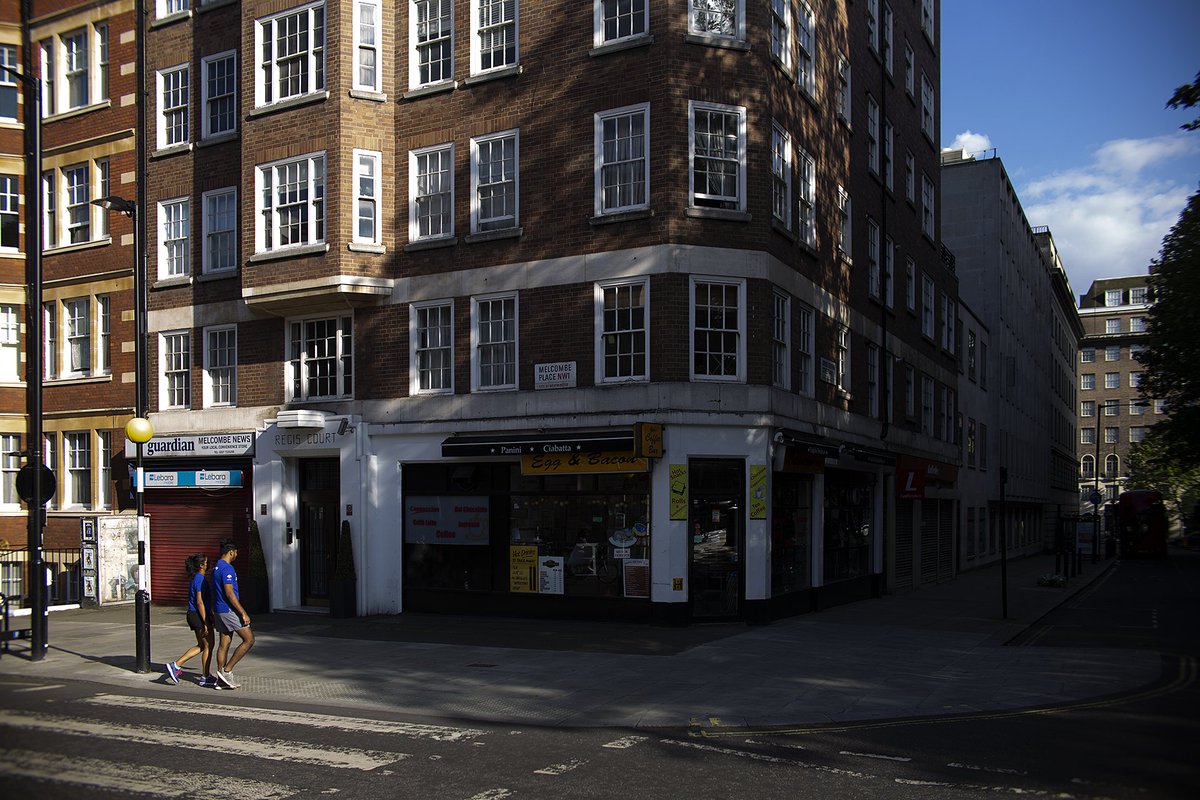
pixel 199 619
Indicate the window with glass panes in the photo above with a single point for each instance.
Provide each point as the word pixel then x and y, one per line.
pixel 780 337
pixel 220 366
pixel 8 82
pixel 77 450
pixel 716 330
pixel 781 24
pixel 173 107
pixel 77 318
pixel 804 349
pixel 432 193
pixel 433 342
pixel 1112 380
pixel 220 230
pixel 366 46
pixel 10 343
pixel 433 41
pixel 806 189
pixel 104 470
pixel 781 175
pixel 623 336
pixel 620 19
pixel 176 370
pixel 717 155
pixel 715 17
pixel 10 213
pixel 219 94
pixel 495 39
pixel 291 54
pixel 496 342
pixel 79 210
pixel 10 462
pixel 291 203
pixel 806 55
pixel 174 244
pixel 321 358
pixel 494 175
pixel 367 187
pixel 623 168
pixel 104 320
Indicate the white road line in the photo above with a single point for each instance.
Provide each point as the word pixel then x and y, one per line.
pixel 729 751
pixel 625 742
pixel 976 768
pixel 134 778
pixel 787 745
pixel 559 769
pixel 40 688
pixel 873 755
pixel 252 746
pixel 491 794
pixel 436 732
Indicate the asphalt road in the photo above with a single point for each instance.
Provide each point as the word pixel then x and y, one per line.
pixel 58 739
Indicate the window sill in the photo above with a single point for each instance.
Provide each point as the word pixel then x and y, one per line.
pixel 364 247
pixel 290 103
pixel 288 252
pixel 494 75
pixel 729 215
pixel 220 138
pixel 172 282
pixel 224 274
pixel 491 236
pixel 725 42
pixel 75 112
pixel 213 5
pixel 13 254
pixel 11 124
pixel 430 244
pixel 621 216
pixel 77 380
pixel 170 19
pixel 433 88
pixel 368 94
pixel 808 247
pixel 173 150
pixel 628 43
pixel 780 227
pixel 782 67
pixel 72 248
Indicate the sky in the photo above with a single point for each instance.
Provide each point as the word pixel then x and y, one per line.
pixel 1071 95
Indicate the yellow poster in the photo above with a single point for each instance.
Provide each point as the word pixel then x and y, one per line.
pixel 758 491
pixel 523 568
pixel 679 491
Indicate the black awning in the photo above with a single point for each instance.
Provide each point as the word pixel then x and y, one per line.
pixel 618 440
pixel 809 445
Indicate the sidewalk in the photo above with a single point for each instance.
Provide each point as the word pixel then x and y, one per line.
pixel 937 650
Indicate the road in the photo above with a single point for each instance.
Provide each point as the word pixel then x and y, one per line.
pixel 59 738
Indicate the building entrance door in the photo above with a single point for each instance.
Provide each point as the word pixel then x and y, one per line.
pixel 319 498
pixel 715 537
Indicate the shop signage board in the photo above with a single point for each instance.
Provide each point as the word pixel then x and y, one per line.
pixel 559 375
pixel 550 575
pixel 192 479
pixel 523 568
pixel 637 577
pixel 678 480
pixel 582 464
pixel 648 438
pixel 197 446
pixel 446 520
pixel 758 491
pixel 618 440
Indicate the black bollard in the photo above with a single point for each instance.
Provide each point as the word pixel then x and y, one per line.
pixel 141 607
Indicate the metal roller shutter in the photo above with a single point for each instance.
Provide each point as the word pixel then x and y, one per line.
pixel 946 540
pixel 904 544
pixel 187 521
pixel 929 541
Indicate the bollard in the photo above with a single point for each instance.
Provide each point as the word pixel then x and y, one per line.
pixel 141 633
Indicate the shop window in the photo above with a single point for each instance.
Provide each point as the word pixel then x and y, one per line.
pixel 791 522
pixel 849 517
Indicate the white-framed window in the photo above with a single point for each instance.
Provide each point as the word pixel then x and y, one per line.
pixel 806 48
pixel 946 426
pixel 79 207
pixel 1138 295
pixel 1112 435
pixel 1112 380
pixel 1112 326
pixel 10 463
pixel 1087 467
pixel 494 35
pixel 220 366
pixel 174 111
pixel 50 459
pixel 927 405
pixel 842 99
pixel 218 94
pixel 780 340
pixel 8 83
pixel 781 33
pixel 927 18
pixel 806 191
pixel 431 190
pixel 843 359
pixel 1087 355
pixel 781 175
pixel 910 391
pixel 165 8
pixel 804 349
pixel 724 18
pixel 622 162
pixel 320 352
pixel 104 469
pixel 1136 350
pixel 74 67
pixel 844 238
pixel 944 327
pixel 77 319
pixel 220 230
pixel 910 284
pixel 717 156
pixel 873 24
pixel 718 323
pixel 927 207
pixel 77 452
pixel 10 343
pixel 1087 408
pixel 174 241
pixel 1137 407
pixel 910 177
pixel 495 181
pixel 889 135
pixel 1112 297
pixel 928 310
pixel 910 70
pixel 1087 381
pixel 1137 325
pixel 75 337
pixel 872 135
pixel 368 184
pixel 10 213
pixel 175 369
pixel 104 340
pixel 1112 408
pixel 886 31
pixel 873 380
pixel 623 323
pixel 874 273
pixel 1137 433
pixel 1112 352
pixel 290 49
pixel 367 66
pixel 1160 406
pixel 927 109
pixel 431 31
pixel 1087 435
pixel 431 337
pixel 494 342
pixel 889 272
pixel 290 203
pixel 620 19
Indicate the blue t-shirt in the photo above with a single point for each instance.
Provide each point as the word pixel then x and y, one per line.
pixel 197 585
pixel 224 575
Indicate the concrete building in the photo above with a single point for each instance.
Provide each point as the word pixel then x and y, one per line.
pixel 979 484
pixel 1014 281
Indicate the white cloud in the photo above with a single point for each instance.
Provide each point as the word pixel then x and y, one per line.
pixel 970 142
pixel 1109 218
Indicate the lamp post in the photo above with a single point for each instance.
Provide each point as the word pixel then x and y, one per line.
pixel 138 430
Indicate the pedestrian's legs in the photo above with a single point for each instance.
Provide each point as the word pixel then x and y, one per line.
pixel 206 650
pixel 242 648
pixel 196 649
pixel 223 651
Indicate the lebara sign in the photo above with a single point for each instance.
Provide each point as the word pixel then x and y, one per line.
pixel 195 446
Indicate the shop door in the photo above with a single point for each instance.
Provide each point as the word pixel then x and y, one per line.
pixel 319 498
pixel 715 538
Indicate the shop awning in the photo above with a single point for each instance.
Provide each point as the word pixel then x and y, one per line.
pixel 615 440
pixel 808 445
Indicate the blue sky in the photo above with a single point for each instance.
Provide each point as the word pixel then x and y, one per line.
pixel 1072 95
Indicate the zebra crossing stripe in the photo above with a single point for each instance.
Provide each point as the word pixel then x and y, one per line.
pixel 439 733
pixel 252 746
pixel 95 773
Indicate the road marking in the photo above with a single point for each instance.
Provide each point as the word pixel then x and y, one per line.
pixel 40 688
pixel 625 742
pixel 253 746
pixel 491 794
pixel 788 745
pixel 1000 770
pixel 437 733
pixel 133 778
pixel 559 769
pixel 873 755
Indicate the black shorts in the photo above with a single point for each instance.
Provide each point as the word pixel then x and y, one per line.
pixel 194 621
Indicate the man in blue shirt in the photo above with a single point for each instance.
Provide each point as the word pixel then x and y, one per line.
pixel 230 616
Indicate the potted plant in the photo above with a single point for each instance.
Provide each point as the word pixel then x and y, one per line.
pixel 343 586
pixel 258 596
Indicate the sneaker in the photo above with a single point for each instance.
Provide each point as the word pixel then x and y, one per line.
pixel 173 672
pixel 227 679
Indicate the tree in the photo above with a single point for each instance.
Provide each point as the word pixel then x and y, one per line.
pixel 1187 96
pixel 1172 355
pixel 1152 466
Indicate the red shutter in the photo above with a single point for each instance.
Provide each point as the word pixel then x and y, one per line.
pixel 187 521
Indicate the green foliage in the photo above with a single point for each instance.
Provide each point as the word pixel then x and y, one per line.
pixel 1172 356
pixel 344 568
pixel 1153 465
pixel 258 561
pixel 1187 96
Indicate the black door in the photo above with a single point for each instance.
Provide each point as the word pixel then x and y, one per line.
pixel 715 535
pixel 319 497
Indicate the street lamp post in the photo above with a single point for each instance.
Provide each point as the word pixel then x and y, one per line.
pixel 138 430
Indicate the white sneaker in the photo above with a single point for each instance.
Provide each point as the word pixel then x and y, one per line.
pixel 227 679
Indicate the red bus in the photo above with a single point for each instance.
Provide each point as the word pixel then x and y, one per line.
pixel 1142 524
